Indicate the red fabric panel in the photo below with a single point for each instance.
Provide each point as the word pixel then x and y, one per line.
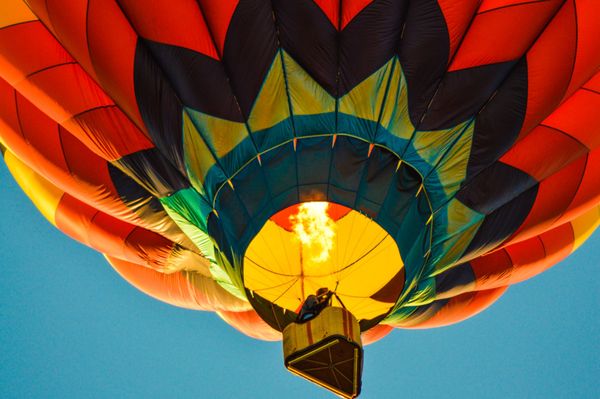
pixel 111 236
pixel 488 5
pixel 179 24
pixel 218 15
pixel 492 270
pixel 142 244
pixel 543 151
pixel 375 334
pixel 588 45
pixel 109 132
pixel 489 41
pixel 27 48
pixel 250 323
pixel 588 194
pixel 351 8
pixel 9 117
pixel 113 52
pixel 164 287
pixel 331 8
pixel 458 14
pixel 553 198
pixel 593 83
pixel 549 66
pixel 74 218
pixel 578 117
pixel 462 307
pixel 68 22
pixel 282 218
pixel 40 132
pixel 557 244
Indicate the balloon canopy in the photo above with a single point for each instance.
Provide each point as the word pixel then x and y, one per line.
pixel 415 157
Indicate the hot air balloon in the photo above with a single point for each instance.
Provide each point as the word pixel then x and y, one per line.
pixel 413 158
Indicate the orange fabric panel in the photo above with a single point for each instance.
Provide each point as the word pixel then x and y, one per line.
pixel 543 151
pixel 375 334
pixel 250 323
pixel 27 48
pixel 179 24
pixel 458 15
pixel 578 117
pixel 549 66
pixel 351 8
pixel 553 198
pixel 557 244
pixel 488 40
pixel 588 45
pixel 174 289
pixel 218 15
pixel 331 8
pixel 588 194
pixel 113 52
pixel 148 246
pixel 462 307
pixel 528 254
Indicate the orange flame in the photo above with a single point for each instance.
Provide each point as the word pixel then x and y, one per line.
pixel 315 230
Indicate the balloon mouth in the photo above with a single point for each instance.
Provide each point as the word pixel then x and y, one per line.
pixel 318 244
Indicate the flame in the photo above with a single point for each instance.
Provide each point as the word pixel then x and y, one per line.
pixel 315 230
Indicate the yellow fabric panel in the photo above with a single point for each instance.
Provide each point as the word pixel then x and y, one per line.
pixel 363 260
pixel 584 226
pixel 307 96
pixel 198 158
pixel 395 117
pixel 223 135
pixel 452 170
pixel 366 99
pixel 44 195
pixel 14 12
pixel 271 105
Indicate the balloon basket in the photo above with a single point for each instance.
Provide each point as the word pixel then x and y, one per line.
pixel 327 351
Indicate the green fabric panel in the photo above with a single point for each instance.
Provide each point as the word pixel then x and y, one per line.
pixel 189 211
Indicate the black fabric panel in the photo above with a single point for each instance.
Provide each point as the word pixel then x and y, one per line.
pixel 392 290
pixel 131 192
pixel 459 276
pixel 494 187
pixel 153 171
pixel 503 222
pixel 250 47
pixel 308 36
pixel 348 162
pixel 424 52
pixel 199 81
pixel 402 194
pixel 252 188
pixel 369 41
pixel 380 170
pixel 463 93
pixel 313 160
pixel 159 107
pixel 499 123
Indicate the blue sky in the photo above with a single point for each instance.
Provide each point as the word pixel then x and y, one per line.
pixel 71 327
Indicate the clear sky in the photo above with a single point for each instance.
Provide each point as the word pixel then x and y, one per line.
pixel 70 327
